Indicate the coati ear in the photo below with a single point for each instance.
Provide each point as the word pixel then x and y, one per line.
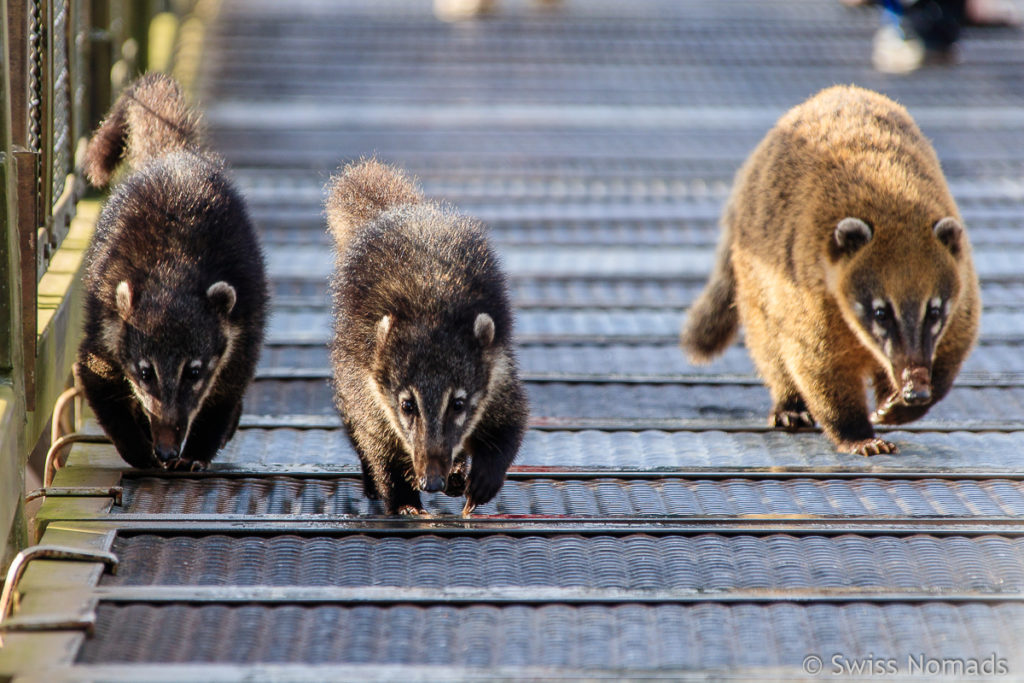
pixel 851 234
pixel 222 296
pixel 383 327
pixel 123 297
pixel 483 329
pixel 950 233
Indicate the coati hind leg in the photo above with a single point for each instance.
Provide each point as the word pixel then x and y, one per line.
pixel 369 481
pixel 789 410
pixel 835 396
pixel 120 415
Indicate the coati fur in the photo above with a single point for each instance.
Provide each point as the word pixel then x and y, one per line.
pixel 175 290
pixel 845 258
pixel 425 374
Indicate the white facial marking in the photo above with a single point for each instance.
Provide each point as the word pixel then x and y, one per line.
pixel 499 373
pixel 877 330
pixel 444 402
pixel 461 418
pixel 384 406
pixel 878 303
pixel 858 308
pixel 197 363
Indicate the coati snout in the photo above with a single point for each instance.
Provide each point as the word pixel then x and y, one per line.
pixel 436 390
pixel 900 315
pixel 171 362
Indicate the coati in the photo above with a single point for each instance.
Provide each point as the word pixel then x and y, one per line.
pixel 845 258
pixel 424 371
pixel 175 291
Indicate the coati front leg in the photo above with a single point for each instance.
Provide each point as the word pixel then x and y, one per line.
pixel 210 429
pixel 456 484
pixel 835 396
pixel 369 480
pixel 493 445
pixel 389 467
pixel 120 415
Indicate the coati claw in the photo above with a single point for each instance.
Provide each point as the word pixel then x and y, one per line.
pixel 183 465
pixel 467 509
pixel 412 511
pixel 868 447
pixel 791 420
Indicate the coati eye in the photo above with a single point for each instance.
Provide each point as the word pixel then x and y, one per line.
pixel 145 373
pixel 934 313
pixel 881 313
pixel 408 407
pixel 458 404
pixel 193 373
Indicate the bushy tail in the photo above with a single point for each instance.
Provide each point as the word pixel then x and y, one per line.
pixel 362 191
pixel 150 118
pixel 713 320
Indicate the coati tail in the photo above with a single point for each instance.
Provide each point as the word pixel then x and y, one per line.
pixel 361 192
pixel 713 320
pixel 150 118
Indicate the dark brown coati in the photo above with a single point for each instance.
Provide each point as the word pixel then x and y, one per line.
pixel 424 371
pixel 844 256
pixel 176 295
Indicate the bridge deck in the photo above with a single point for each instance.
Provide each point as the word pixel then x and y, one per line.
pixel 653 525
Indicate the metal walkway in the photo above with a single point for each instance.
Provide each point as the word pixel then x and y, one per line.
pixel 653 526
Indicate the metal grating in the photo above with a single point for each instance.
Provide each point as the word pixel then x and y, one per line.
pixel 280 448
pixel 629 637
pixel 995 364
pixel 866 497
pixel 707 562
pixel 62 122
pixel 600 403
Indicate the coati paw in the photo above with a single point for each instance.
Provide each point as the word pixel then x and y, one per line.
pixel 184 465
pixel 412 511
pixel 467 509
pixel 456 485
pixel 791 420
pixel 480 491
pixel 873 446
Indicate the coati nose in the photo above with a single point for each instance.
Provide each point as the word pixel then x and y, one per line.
pixel 917 387
pixel 165 443
pixel 916 396
pixel 431 483
pixel 165 452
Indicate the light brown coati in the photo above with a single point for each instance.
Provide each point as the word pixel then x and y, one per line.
pixel 424 370
pixel 845 258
